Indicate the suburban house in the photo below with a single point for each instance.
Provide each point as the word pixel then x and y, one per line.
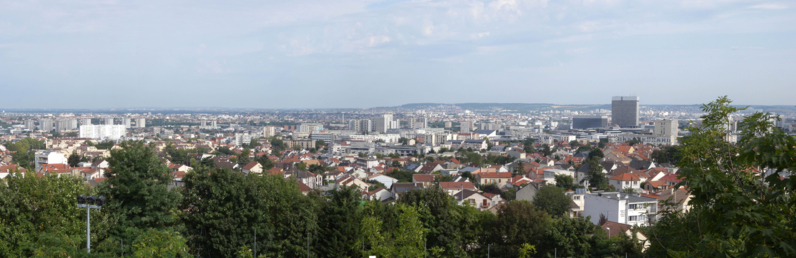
pixel 614 229
pixel 426 180
pixel 550 176
pixel 578 200
pixel 399 188
pixel 383 179
pixel 671 199
pixel 498 178
pixel 475 144
pixel 431 167
pixel 252 167
pixel 631 209
pixel 528 192
pixel 380 194
pixel 453 188
pixel 624 181
pixel 475 199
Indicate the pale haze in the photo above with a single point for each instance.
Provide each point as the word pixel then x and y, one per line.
pixel 357 54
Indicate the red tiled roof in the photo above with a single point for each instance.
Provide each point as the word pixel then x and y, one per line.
pixel 423 178
pixel 626 177
pixel 495 174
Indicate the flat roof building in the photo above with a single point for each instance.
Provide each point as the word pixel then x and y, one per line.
pixel 625 111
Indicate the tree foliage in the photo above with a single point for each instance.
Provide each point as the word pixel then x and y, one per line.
pixel 552 200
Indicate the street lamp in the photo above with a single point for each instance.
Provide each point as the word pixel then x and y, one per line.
pixel 88 203
pixel 609 231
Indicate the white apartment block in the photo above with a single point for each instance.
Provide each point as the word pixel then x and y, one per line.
pixel 141 123
pixel 48 157
pixel 102 132
pixel 631 209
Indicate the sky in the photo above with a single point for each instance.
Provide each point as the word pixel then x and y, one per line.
pixel 365 53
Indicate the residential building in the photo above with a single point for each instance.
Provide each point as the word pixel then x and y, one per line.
pixel 384 123
pixel 128 122
pixel 631 209
pixel 141 123
pixel 498 178
pixel 46 125
pixel 102 132
pixel 625 181
pixel 48 157
pixel 252 167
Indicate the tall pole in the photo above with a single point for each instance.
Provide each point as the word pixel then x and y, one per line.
pixel 255 243
pixel 308 244
pixel 88 230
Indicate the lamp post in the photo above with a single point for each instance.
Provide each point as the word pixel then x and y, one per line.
pixel 88 203
pixel 609 232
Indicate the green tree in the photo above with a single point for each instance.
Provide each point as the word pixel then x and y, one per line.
pixel 160 243
pixel 73 159
pixel 510 194
pixel 244 158
pixel 566 182
pixel 223 209
pixel 395 164
pixel 739 210
pixel 439 216
pixel 339 223
pixel 517 223
pixel 39 217
pixel 137 192
pixel 552 200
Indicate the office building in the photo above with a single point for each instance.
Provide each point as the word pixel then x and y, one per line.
pixel 140 123
pixel 102 132
pixel 46 125
pixel 585 122
pixel 625 111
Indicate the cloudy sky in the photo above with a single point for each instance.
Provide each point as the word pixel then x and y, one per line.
pixel 363 53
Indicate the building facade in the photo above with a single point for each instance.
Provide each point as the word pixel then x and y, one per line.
pixel 625 111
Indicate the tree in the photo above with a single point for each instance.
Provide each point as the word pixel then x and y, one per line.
pixel 517 223
pixel 546 150
pixel 39 217
pixel 244 158
pixel 73 159
pixel 739 209
pixel 574 144
pixel 396 164
pixel 595 153
pixel 566 182
pixel 223 209
pixel 520 169
pixel 160 243
pixel 339 224
pixel 439 216
pixel 429 159
pixel 552 200
pixel 510 194
pixel 137 192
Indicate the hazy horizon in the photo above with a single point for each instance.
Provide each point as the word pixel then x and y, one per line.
pixel 364 54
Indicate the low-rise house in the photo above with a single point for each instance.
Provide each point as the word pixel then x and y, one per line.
pixel 383 179
pixel 498 178
pixel 614 229
pixel 625 181
pixel 475 199
pixel 679 200
pixel 253 167
pixel 426 180
pixel 431 167
pixel 528 192
pixel 380 194
pixel 578 202
pixel 399 188
pixel 452 188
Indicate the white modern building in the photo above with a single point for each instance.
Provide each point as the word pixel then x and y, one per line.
pixel 127 122
pixel 102 132
pixel 48 157
pixel 631 209
pixel 141 123
pixel 550 176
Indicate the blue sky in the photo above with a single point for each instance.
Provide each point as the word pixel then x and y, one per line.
pixel 342 53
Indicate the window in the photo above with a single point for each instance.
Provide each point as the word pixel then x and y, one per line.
pixel 632 218
pixel 576 198
pixel 632 206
